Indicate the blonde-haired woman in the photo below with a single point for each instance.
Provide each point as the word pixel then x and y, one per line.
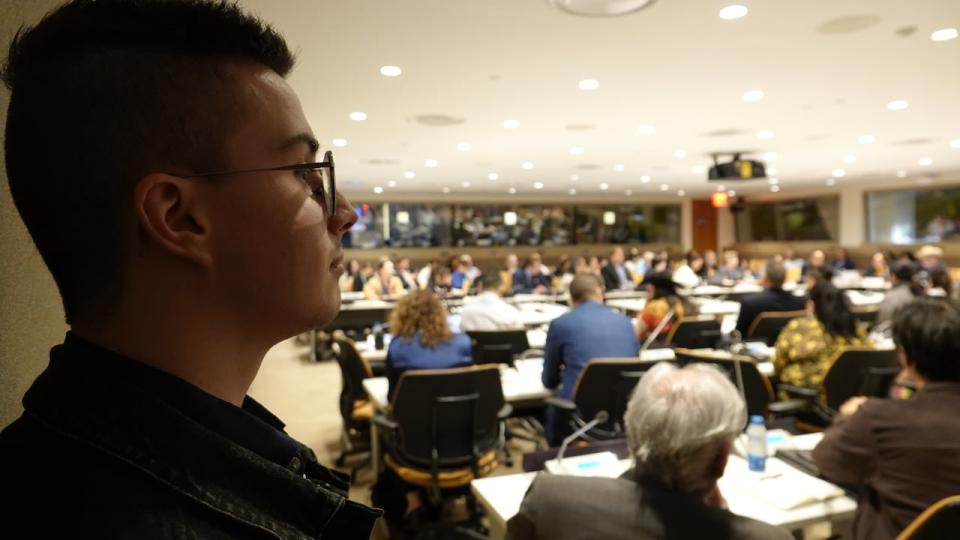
pixel 422 339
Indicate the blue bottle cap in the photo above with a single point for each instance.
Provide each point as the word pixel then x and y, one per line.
pixel 756 419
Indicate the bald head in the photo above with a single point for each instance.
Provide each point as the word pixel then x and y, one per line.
pixel 586 287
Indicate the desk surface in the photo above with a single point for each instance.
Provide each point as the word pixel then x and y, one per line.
pixel 502 496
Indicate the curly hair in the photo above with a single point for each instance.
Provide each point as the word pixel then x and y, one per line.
pixel 420 311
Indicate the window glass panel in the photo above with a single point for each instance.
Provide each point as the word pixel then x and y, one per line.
pixel 420 225
pixel 628 224
pixel 511 225
pixel 790 220
pixel 368 230
pixel 913 216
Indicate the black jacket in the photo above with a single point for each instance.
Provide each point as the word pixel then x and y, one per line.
pixel 752 305
pixel 611 280
pixel 98 453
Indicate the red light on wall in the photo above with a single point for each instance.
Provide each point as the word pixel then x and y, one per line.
pixel 718 200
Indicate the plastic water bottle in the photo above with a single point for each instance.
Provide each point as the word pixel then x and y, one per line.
pixel 757 444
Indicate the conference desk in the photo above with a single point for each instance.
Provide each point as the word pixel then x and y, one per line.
pixel 501 496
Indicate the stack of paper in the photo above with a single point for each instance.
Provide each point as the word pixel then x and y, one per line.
pixel 780 485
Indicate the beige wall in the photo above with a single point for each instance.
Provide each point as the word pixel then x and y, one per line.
pixel 31 317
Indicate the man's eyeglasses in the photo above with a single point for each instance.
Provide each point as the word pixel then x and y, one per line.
pixel 319 176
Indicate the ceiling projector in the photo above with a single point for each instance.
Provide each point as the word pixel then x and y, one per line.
pixel 736 169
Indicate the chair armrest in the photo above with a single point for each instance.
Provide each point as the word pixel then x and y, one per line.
pixel 385 423
pixel 808 394
pixel 561 403
pixel 505 411
pixel 531 353
pixel 790 406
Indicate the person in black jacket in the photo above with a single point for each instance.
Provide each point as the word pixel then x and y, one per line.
pixel 616 276
pixel 189 226
pixel 773 298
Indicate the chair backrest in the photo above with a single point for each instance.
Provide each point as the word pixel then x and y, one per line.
pixel 487 347
pixel 757 390
pixel 851 372
pixel 353 370
pixel 768 325
pixel 447 417
pixel 940 521
pixel 605 384
pixel 695 333
pixel 867 315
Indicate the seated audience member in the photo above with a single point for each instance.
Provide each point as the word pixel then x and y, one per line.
pixel 841 260
pixel 773 298
pixel 470 272
pixel 688 274
pixel 564 266
pixel 680 424
pixel 406 275
pixel 930 258
pixel 730 273
pixel 746 266
pixel 661 298
pixel 589 330
pixel 512 264
pixel 531 278
pixel 353 279
pixel 425 274
pixel 816 261
pixel 458 275
pixel 422 338
pixel 636 263
pixel 790 259
pixel 709 264
pixel 488 311
pixel 384 285
pixel 616 277
pixel 441 282
pixel 807 346
pixel 878 266
pixel 903 452
pixel 578 266
pixel 904 288
pixel 938 283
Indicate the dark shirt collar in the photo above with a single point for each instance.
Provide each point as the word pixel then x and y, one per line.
pixel 251 426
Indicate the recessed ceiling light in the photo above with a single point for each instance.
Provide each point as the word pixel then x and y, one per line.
pixel 572 191
pixel 512 191
pixel 464 146
pixel 645 129
pixel 390 71
pixel 698 169
pixel 831 181
pixel 574 177
pixel 618 167
pixel 924 162
pixel 358 116
pixel 721 187
pixel 538 185
pixel 681 193
pixel 867 139
pixel 765 135
pixel 955 143
pixel 753 95
pixel 897 105
pixel 945 34
pixel 645 179
pixel 680 153
pixel 664 187
pixel 430 163
pixel 576 151
pixel 409 175
pixel 730 13
pixel 446 189
pixel 340 142
pixel 850 159
pixel 731 193
pixel 773 181
pixel 392 183
pixel 593 8
pixel 527 165
pixel 493 176
pixel 378 190
pixel 511 124
pixel 589 84
pixel 774 188
pixel 604 186
pixel 772 171
pixel 465 184
pixel 901 173
pixel 771 156
pixel 838 173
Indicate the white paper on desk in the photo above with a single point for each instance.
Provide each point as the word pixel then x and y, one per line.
pixel 780 485
pixel 602 464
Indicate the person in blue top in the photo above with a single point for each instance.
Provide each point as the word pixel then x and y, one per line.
pixel 422 339
pixel 532 278
pixel 590 330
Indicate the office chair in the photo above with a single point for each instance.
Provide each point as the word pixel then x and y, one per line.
pixel 604 384
pixel 940 521
pixel 756 388
pixel 701 332
pixel 444 430
pixel 356 409
pixel 493 344
pixel 768 325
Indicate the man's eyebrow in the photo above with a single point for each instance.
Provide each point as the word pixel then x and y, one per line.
pixel 301 138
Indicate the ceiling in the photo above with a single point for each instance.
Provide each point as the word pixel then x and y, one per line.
pixel 676 66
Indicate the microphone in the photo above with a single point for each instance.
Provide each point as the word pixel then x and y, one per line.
pixel 601 417
pixel 656 331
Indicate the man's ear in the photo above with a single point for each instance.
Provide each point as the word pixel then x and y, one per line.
pixel 170 212
pixel 719 462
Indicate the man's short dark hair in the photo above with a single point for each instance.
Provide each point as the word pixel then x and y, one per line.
pixel 490 279
pixel 776 274
pixel 104 92
pixel 585 285
pixel 928 331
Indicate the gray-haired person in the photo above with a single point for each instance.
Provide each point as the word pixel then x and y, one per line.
pixel 680 425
